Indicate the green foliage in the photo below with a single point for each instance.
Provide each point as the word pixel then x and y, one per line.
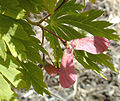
pixel 33 75
pixel 5 90
pixel 54 43
pixel 90 61
pixel 3 49
pixel 11 8
pixel 19 48
pixel 37 6
pixel 10 74
pixel 93 1
pixel 85 21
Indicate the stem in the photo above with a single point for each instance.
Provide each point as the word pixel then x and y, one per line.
pixel 64 1
pixel 51 59
pixel 43 28
pixel 44 18
pixel 42 37
pixel 64 41
pixel 37 24
pixel 43 43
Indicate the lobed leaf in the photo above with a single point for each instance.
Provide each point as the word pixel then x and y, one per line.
pixel 84 20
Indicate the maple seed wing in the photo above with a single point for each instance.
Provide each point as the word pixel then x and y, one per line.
pixel 67 71
pixel 94 45
pixel 51 70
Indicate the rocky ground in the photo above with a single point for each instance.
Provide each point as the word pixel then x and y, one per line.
pixel 89 86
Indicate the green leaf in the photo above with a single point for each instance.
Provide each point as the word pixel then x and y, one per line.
pixel 28 5
pixel 13 99
pixel 26 27
pixel 37 6
pixel 100 74
pixel 69 7
pixel 91 61
pixel 43 50
pixel 8 69
pixel 93 1
pixel 107 62
pixel 11 27
pixel 33 55
pixel 102 59
pixel 38 88
pixel 54 43
pixel 88 63
pixel 11 8
pixel 5 90
pixel 3 49
pixel 32 50
pixel 26 78
pixel 35 76
pixel 85 21
pixel 83 61
pixel 50 5
pixel 70 32
pixel 16 48
pixel 89 26
pixel 14 32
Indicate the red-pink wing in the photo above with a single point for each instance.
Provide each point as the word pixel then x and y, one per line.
pixel 67 71
pixel 94 45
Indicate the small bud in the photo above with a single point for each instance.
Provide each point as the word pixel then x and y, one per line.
pixel 51 69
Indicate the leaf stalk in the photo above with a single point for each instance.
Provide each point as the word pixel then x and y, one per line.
pixel 64 41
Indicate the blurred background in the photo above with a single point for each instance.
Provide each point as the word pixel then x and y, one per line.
pixel 89 85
